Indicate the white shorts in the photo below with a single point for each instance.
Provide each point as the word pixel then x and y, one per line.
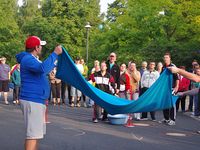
pixel 34 117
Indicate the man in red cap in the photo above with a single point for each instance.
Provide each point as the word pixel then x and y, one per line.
pixel 35 88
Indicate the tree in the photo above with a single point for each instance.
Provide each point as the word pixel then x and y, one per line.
pixel 10 37
pixel 116 9
pixel 63 21
pixel 141 33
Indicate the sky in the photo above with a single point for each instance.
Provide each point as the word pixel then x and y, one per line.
pixel 20 2
pixel 103 4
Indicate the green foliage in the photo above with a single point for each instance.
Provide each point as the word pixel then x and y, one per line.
pixel 62 22
pixel 134 29
pixel 10 37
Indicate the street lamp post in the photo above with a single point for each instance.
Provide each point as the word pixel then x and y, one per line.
pixel 162 12
pixel 87 41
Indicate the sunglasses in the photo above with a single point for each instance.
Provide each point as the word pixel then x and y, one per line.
pixel 112 56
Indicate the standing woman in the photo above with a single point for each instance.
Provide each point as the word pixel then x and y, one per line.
pixel 159 67
pixel 135 77
pixel 124 91
pixel 96 65
pixel 184 84
pixel 55 87
pixel 16 80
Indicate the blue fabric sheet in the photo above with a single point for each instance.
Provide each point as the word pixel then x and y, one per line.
pixel 158 97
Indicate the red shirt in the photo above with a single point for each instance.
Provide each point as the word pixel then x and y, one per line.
pixel 125 80
pixel 183 84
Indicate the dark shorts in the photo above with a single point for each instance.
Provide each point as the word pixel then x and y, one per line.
pixel 4 86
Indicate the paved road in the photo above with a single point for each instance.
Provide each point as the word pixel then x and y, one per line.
pixel 72 129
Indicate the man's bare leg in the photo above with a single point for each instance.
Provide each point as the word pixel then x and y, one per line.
pixel 31 144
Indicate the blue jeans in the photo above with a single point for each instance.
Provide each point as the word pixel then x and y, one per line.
pixel 196 106
pixel 190 103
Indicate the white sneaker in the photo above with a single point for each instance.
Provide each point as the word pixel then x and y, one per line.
pixel 6 102
pixel 171 123
pixel 144 119
pixel 85 105
pixel 138 119
pixel 164 121
pixel 95 121
pixel 14 102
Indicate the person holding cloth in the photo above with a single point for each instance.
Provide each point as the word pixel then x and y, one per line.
pixel 35 88
pixel 103 80
pixel 170 114
pixel 149 77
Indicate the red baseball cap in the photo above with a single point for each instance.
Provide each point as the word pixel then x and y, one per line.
pixel 33 41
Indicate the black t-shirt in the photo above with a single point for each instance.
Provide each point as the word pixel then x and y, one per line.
pixel 115 72
pixel 175 75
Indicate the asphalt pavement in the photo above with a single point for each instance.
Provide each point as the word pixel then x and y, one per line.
pixel 73 129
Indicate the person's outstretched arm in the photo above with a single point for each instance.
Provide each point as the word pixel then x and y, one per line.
pixel 184 73
pixel 192 92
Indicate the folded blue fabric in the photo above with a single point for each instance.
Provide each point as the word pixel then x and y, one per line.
pixel 158 97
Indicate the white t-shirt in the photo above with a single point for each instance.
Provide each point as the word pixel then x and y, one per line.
pixel 148 78
pixel 80 68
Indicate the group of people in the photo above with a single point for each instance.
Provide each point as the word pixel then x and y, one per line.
pixel 124 80
pixel 9 78
pixel 33 78
pixel 59 87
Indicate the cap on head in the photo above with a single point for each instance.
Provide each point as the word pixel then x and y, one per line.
pixel 33 41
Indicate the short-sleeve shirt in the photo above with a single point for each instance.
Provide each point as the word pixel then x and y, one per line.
pixel 4 72
pixel 80 68
pixel 175 75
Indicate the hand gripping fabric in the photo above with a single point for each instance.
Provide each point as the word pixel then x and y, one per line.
pixel 158 97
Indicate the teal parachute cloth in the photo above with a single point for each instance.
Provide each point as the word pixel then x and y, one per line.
pixel 158 97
